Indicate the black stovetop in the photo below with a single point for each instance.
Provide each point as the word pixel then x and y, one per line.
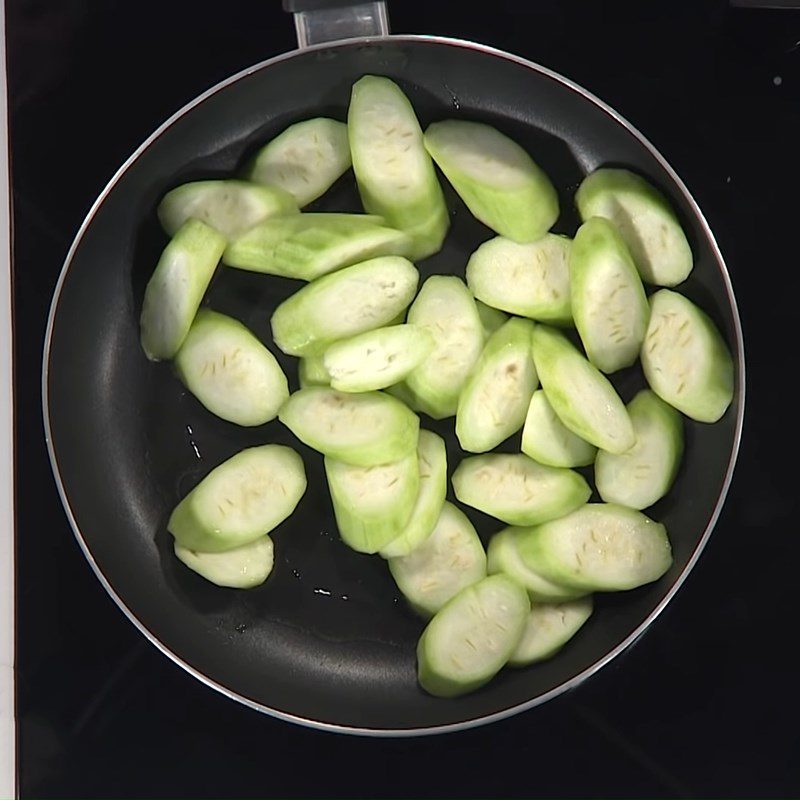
pixel 705 704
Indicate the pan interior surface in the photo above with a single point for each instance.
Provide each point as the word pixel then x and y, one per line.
pixel 328 639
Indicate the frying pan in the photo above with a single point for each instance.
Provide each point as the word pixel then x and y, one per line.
pixel 327 641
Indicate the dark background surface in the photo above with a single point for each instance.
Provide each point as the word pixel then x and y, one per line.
pixel 705 704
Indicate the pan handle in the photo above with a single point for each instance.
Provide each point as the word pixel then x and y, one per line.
pixel 328 20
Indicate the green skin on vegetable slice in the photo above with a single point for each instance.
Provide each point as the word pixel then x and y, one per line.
pixel 581 396
pixel 472 638
pixel 432 465
pixel 305 160
pixel 348 302
pixel 644 474
pixel 609 305
pixel 495 399
pixel 644 219
pixel 360 429
pixel 176 288
pixel 240 500
pixel 376 359
pixel 395 175
pixel 503 556
pixel 451 558
pixel 491 318
pixel 549 627
pixel 428 237
pixel 241 568
pixel 600 547
pixel 547 440
pixel 405 395
pixel 229 371
pixel 229 206
pixel 446 309
pixel 311 372
pixel 530 280
pixel 497 180
pixel 372 504
pixel 517 490
pixel 307 246
pixel 685 359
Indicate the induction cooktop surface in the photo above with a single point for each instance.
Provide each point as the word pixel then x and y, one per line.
pixel 703 704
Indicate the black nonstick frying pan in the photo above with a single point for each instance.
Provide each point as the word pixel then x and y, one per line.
pixel 327 641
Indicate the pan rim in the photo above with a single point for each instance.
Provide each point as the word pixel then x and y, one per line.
pixel 473 722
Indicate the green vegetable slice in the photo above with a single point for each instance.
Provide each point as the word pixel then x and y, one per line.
pixel 307 246
pixel 472 638
pixel 177 286
pixel 582 397
pixel 600 547
pixel 497 180
pixel 395 174
pixel 495 399
pixel 229 371
pixel 517 490
pixel 547 440
pixel 451 558
pixel 608 300
pixel 644 474
pixel 531 280
pixel 503 556
pixel 305 160
pixel 491 318
pixel 432 463
pixel 229 206
pixel 355 299
pixel 372 504
pixel 549 627
pixel 685 359
pixel 446 309
pixel 241 568
pixel 240 500
pixel 311 372
pixel 360 429
pixel 376 359
pixel 644 219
